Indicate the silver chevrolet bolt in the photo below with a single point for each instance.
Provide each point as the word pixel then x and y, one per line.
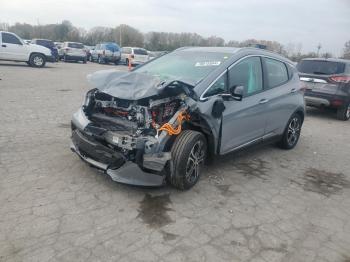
pixel 162 120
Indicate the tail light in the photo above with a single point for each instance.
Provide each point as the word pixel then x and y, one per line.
pixel 340 79
pixel 67 49
pixel 337 102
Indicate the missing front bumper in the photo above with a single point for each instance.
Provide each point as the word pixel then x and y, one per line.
pixel 112 163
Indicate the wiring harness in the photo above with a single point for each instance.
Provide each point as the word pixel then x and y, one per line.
pixel 183 116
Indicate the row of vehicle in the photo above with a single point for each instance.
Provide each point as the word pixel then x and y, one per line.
pixel 326 81
pixel 111 53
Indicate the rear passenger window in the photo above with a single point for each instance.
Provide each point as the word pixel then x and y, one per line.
pixel 276 73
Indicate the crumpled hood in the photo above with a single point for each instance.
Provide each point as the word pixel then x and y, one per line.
pixel 126 85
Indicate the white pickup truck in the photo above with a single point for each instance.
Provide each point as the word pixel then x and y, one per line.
pixel 13 48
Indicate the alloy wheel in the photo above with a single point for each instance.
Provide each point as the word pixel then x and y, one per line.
pixel 38 60
pixel 293 131
pixel 195 161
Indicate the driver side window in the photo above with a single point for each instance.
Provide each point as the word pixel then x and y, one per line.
pixel 247 73
pixel 10 39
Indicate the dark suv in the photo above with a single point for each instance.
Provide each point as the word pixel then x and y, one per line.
pixel 327 84
pixel 49 44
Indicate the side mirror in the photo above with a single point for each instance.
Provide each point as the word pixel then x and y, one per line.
pixel 237 92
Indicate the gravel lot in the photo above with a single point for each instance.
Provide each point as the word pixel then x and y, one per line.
pixel 263 204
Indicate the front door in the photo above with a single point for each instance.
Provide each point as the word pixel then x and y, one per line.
pixel 244 121
pixel 12 48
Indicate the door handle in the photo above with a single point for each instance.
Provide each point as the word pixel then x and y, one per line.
pixel 293 90
pixel 3 45
pixel 263 101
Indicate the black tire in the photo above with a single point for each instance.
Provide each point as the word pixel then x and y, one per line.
pixel 343 113
pixel 291 134
pixel 85 60
pixel 37 60
pixel 116 62
pixel 65 59
pixel 127 62
pixel 188 155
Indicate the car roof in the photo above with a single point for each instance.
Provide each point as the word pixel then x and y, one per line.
pixel 42 39
pixel 74 42
pixel 327 59
pixel 236 50
pixel 215 49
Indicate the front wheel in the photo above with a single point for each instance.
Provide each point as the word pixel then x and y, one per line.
pixel 291 134
pixel 37 60
pixel 343 113
pixel 188 155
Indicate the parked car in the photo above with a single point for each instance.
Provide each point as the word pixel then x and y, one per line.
pixel 160 121
pixel 13 48
pixel 106 53
pixel 135 55
pixel 49 44
pixel 72 51
pixel 327 84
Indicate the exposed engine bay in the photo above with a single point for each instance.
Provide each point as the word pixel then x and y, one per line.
pixel 135 130
pixel 143 117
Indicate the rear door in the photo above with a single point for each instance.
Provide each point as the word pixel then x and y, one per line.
pixel 12 48
pixel 283 93
pixel 317 75
pixel 243 122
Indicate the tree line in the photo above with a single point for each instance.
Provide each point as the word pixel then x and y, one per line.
pixel 126 35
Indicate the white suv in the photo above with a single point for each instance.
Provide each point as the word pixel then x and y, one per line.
pixel 71 51
pixel 13 48
pixel 135 55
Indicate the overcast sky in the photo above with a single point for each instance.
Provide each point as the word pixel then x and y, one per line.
pixel 299 21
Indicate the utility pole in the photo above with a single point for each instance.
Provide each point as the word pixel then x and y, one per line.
pixel 120 35
pixel 318 49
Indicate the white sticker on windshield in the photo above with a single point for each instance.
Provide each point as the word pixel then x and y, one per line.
pixel 208 63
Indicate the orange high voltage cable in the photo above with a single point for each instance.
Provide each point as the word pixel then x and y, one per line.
pixel 175 131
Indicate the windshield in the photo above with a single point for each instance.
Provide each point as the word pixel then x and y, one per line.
pixel 112 47
pixel 184 65
pixel 76 45
pixel 47 43
pixel 320 67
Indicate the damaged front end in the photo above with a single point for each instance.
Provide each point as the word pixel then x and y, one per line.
pixel 127 124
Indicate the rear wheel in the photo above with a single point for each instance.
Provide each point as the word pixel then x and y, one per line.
pixel 188 154
pixel 37 60
pixel 343 113
pixel 292 132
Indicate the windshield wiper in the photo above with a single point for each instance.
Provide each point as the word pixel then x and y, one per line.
pixel 319 73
